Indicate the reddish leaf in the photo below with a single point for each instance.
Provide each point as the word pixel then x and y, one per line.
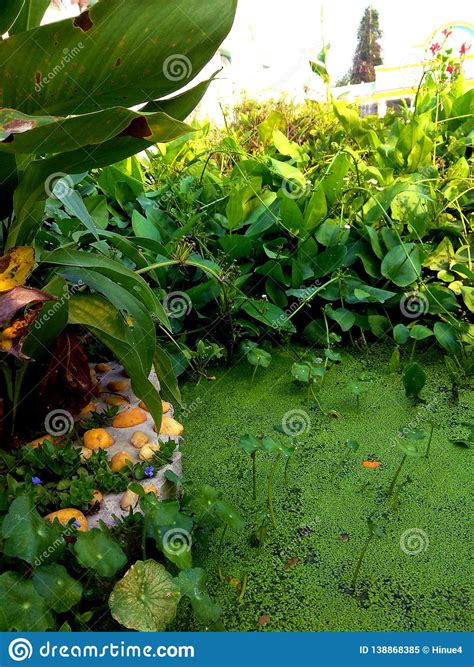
pixel 291 563
pixel 18 297
pixel 67 384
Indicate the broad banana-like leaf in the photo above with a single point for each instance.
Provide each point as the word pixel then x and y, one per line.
pixel 113 270
pixel 20 133
pixel 107 324
pixel 30 16
pixel 8 14
pixel 117 53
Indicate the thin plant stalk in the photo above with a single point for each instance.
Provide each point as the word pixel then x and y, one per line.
pixel 253 374
pixel 412 354
pixel 253 456
pixel 270 491
pixel 219 553
pixel 360 561
pixel 428 446
pixel 395 477
pixel 243 589
pixel 287 465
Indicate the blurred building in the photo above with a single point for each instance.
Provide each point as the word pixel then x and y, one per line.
pixel 396 85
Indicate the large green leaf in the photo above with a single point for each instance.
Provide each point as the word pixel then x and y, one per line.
pixel 117 54
pixel 192 584
pixel 107 324
pixel 57 588
pixel 96 550
pixel 136 316
pixel 29 537
pixel 146 598
pixel 113 270
pixel 53 134
pixel 8 13
pixel 402 264
pixel 164 370
pixel 30 16
pixel 21 606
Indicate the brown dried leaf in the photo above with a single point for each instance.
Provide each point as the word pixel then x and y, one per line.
pixel 18 297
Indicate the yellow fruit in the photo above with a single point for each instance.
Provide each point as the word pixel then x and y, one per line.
pixel 118 385
pixel 149 488
pixel 116 400
pixel 103 368
pixel 39 441
pixel 65 516
pixel 165 406
pixel 148 451
pixel 171 427
pixel 97 497
pixel 90 407
pixel 129 500
pixel 139 439
pixel 129 418
pixel 97 438
pixel 119 461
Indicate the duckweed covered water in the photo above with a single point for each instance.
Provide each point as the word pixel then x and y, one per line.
pixel 414 578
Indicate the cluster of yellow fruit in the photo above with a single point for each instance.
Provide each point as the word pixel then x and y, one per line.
pixel 100 438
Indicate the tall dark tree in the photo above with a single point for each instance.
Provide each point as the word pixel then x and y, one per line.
pixel 368 52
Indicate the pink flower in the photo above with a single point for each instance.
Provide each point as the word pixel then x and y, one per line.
pixel 446 32
pixel 451 69
pixel 464 49
pixel 436 47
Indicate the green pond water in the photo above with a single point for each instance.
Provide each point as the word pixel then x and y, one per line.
pixel 414 578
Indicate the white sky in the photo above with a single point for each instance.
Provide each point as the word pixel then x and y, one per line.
pixel 285 31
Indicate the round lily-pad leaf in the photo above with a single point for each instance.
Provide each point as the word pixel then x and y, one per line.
pixel 21 606
pixel 100 552
pixel 146 598
pixel 57 588
pixel 28 536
